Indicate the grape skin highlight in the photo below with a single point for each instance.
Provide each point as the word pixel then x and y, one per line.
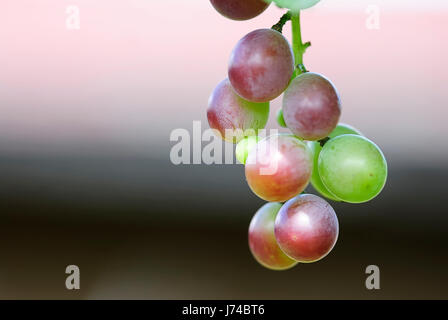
pixel 226 110
pixel 262 242
pixel 306 228
pixel 240 9
pixel 311 106
pixel 261 65
pixel 352 168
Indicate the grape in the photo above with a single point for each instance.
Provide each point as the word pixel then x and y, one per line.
pixel 261 65
pixel 239 9
pixel 306 228
pixel 279 168
pixel 295 5
pixel 244 147
pixel 311 106
pixel 316 148
pixel 280 119
pixel 226 110
pixel 352 168
pixel 262 241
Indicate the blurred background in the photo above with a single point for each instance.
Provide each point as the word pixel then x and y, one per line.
pixel 85 174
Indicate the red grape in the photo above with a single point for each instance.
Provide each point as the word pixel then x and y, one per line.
pixel 306 228
pixel 239 9
pixel 279 168
pixel 311 106
pixel 227 111
pixel 261 65
pixel 262 241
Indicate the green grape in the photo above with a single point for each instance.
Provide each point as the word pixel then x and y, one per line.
pixel 295 5
pixel 244 147
pixel 352 168
pixel 316 148
pixel 343 128
pixel 280 119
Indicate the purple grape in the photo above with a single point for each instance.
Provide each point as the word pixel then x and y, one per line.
pixel 279 168
pixel 261 65
pixel 262 241
pixel 239 9
pixel 227 111
pixel 311 106
pixel 306 228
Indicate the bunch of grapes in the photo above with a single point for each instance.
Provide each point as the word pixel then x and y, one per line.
pixel 340 163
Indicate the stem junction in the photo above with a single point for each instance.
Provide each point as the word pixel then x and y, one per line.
pixel 298 46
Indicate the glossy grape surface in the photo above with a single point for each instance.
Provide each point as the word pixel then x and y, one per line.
pixel 226 110
pixel 279 168
pixel 262 242
pixel 239 9
pixel 352 168
pixel 311 106
pixel 261 65
pixel 316 148
pixel 306 228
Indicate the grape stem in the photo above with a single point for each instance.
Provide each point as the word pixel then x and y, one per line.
pixel 298 46
pixel 323 141
pixel 279 25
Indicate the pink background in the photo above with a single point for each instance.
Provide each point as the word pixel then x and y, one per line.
pixel 138 69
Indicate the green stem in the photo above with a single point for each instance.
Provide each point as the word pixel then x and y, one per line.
pixel 298 46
